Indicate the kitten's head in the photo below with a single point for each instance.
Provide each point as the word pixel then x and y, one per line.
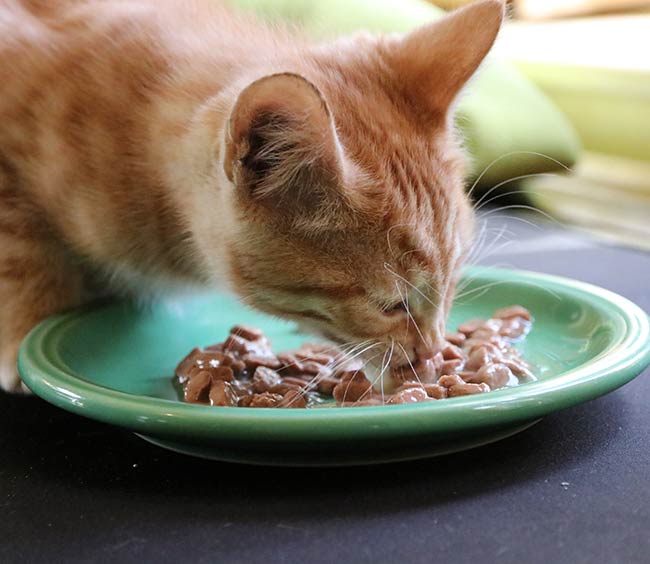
pixel 348 185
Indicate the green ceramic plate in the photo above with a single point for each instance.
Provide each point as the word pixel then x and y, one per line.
pixel 114 363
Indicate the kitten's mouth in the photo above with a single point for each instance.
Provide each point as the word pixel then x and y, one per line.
pixel 382 380
pixel 387 378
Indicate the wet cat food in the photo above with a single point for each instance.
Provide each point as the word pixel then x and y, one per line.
pixel 243 371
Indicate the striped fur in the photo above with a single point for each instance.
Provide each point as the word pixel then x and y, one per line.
pixel 121 169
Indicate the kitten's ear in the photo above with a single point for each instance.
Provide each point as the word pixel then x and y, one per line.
pixel 281 147
pixel 434 62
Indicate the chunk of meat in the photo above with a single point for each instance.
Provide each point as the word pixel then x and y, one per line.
pixel 222 394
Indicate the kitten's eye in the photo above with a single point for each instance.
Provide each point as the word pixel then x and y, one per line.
pixel 395 308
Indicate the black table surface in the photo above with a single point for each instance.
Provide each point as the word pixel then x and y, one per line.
pixel 573 488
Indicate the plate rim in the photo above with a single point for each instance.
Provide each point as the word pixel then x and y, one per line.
pixel 619 363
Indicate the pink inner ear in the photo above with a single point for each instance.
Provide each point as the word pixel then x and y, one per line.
pixel 434 62
pixel 281 134
pixel 287 94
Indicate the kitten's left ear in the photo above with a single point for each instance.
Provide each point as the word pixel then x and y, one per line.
pixel 281 146
pixel 434 62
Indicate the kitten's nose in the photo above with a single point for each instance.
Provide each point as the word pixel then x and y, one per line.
pixel 432 343
pixel 430 347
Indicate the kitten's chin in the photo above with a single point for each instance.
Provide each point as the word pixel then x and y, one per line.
pixel 381 382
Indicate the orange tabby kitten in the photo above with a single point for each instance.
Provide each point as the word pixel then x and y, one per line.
pixel 148 144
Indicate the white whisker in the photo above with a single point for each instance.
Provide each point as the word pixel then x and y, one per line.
pixel 478 208
pixel 507 181
pixel 347 388
pixel 510 154
pixel 389 269
pixel 385 366
pixel 410 364
pixel 523 207
pixel 409 316
pixel 390 248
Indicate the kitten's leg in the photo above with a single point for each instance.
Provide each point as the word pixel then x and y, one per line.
pixel 36 280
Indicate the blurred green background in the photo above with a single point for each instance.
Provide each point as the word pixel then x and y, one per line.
pixel 564 100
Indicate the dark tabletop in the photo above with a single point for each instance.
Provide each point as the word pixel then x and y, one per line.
pixel 573 488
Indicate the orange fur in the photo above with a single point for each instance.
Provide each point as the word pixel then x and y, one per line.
pixel 148 145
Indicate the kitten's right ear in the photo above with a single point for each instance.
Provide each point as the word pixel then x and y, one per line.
pixel 434 62
pixel 281 146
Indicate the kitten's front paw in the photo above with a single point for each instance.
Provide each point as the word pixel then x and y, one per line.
pixel 10 380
